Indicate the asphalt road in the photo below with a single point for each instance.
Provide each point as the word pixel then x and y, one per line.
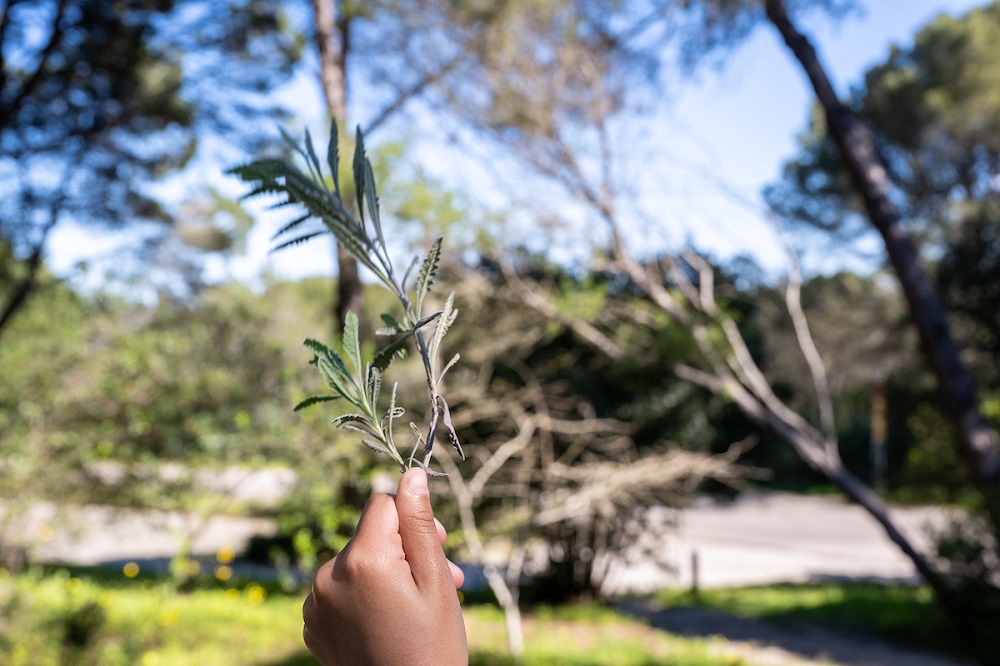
pixel 759 538
pixel 774 537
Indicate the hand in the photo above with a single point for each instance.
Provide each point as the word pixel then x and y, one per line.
pixel 388 598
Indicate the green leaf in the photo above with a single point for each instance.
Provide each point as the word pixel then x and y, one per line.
pixel 347 418
pixel 451 363
pixel 446 419
pixel 371 196
pixel 290 226
pixel 318 347
pixel 336 377
pixel 378 447
pixel 390 321
pixel 292 143
pixel 364 428
pixel 352 343
pixel 333 157
pixel 447 318
pixel 296 241
pixel 359 172
pixel 314 399
pixel 374 386
pixel 384 357
pixel 313 160
pixel 427 273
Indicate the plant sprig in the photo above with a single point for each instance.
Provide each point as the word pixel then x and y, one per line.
pixel 359 382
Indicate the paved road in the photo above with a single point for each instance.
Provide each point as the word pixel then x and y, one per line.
pixel 774 537
pixel 760 538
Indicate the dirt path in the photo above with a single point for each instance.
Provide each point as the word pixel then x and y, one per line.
pixel 768 644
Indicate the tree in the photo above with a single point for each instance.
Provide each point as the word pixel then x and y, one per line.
pixel 564 132
pixel 100 98
pixel 332 25
pixel 856 146
pixel 564 464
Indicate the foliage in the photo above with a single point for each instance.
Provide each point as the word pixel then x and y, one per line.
pixel 99 99
pixel 360 383
pixel 904 614
pixel 572 448
pixel 933 108
pixel 145 621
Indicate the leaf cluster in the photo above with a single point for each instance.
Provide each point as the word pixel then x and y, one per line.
pixel 360 382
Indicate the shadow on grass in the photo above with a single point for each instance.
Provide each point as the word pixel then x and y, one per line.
pixel 845 622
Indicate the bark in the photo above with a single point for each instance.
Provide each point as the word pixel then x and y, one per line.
pixel 979 444
pixel 23 290
pixel 333 42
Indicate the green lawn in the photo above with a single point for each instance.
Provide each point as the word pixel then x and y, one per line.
pixel 903 614
pixel 88 617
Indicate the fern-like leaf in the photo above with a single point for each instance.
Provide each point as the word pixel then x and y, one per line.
pixel 446 419
pixel 314 399
pixel 333 157
pixel 371 197
pixel 352 341
pixel 312 160
pixel 384 356
pixel 294 224
pixel 374 386
pixel 359 172
pixel 347 418
pixel 377 447
pixel 296 241
pixel 426 276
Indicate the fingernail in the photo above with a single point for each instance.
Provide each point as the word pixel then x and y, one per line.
pixel 416 482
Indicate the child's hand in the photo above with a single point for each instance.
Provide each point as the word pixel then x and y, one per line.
pixel 389 596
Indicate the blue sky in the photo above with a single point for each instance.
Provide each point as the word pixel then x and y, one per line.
pixel 737 123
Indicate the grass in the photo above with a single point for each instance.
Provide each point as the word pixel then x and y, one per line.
pixel 906 615
pixel 87 617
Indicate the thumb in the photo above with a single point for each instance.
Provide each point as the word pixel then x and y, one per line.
pixel 419 533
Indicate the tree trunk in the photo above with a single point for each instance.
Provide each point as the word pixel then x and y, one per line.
pixel 979 444
pixel 332 41
pixel 22 291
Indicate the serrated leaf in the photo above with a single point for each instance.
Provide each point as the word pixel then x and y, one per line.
pixel 378 447
pixel 359 172
pixel 371 196
pixel 288 227
pixel 446 419
pixel 428 270
pixel 318 347
pixel 409 269
pixel 374 386
pixel 347 418
pixel 386 331
pixel 416 431
pixel 447 318
pixel 352 343
pixel 314 399
pixel 389 320
pixel 312 159
pixel 451 364
pixel 384 356
pixel 292 142
pixel 426 320
pixel 366 430
pixel 296 241
pixel 333 157
pixel 336 377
